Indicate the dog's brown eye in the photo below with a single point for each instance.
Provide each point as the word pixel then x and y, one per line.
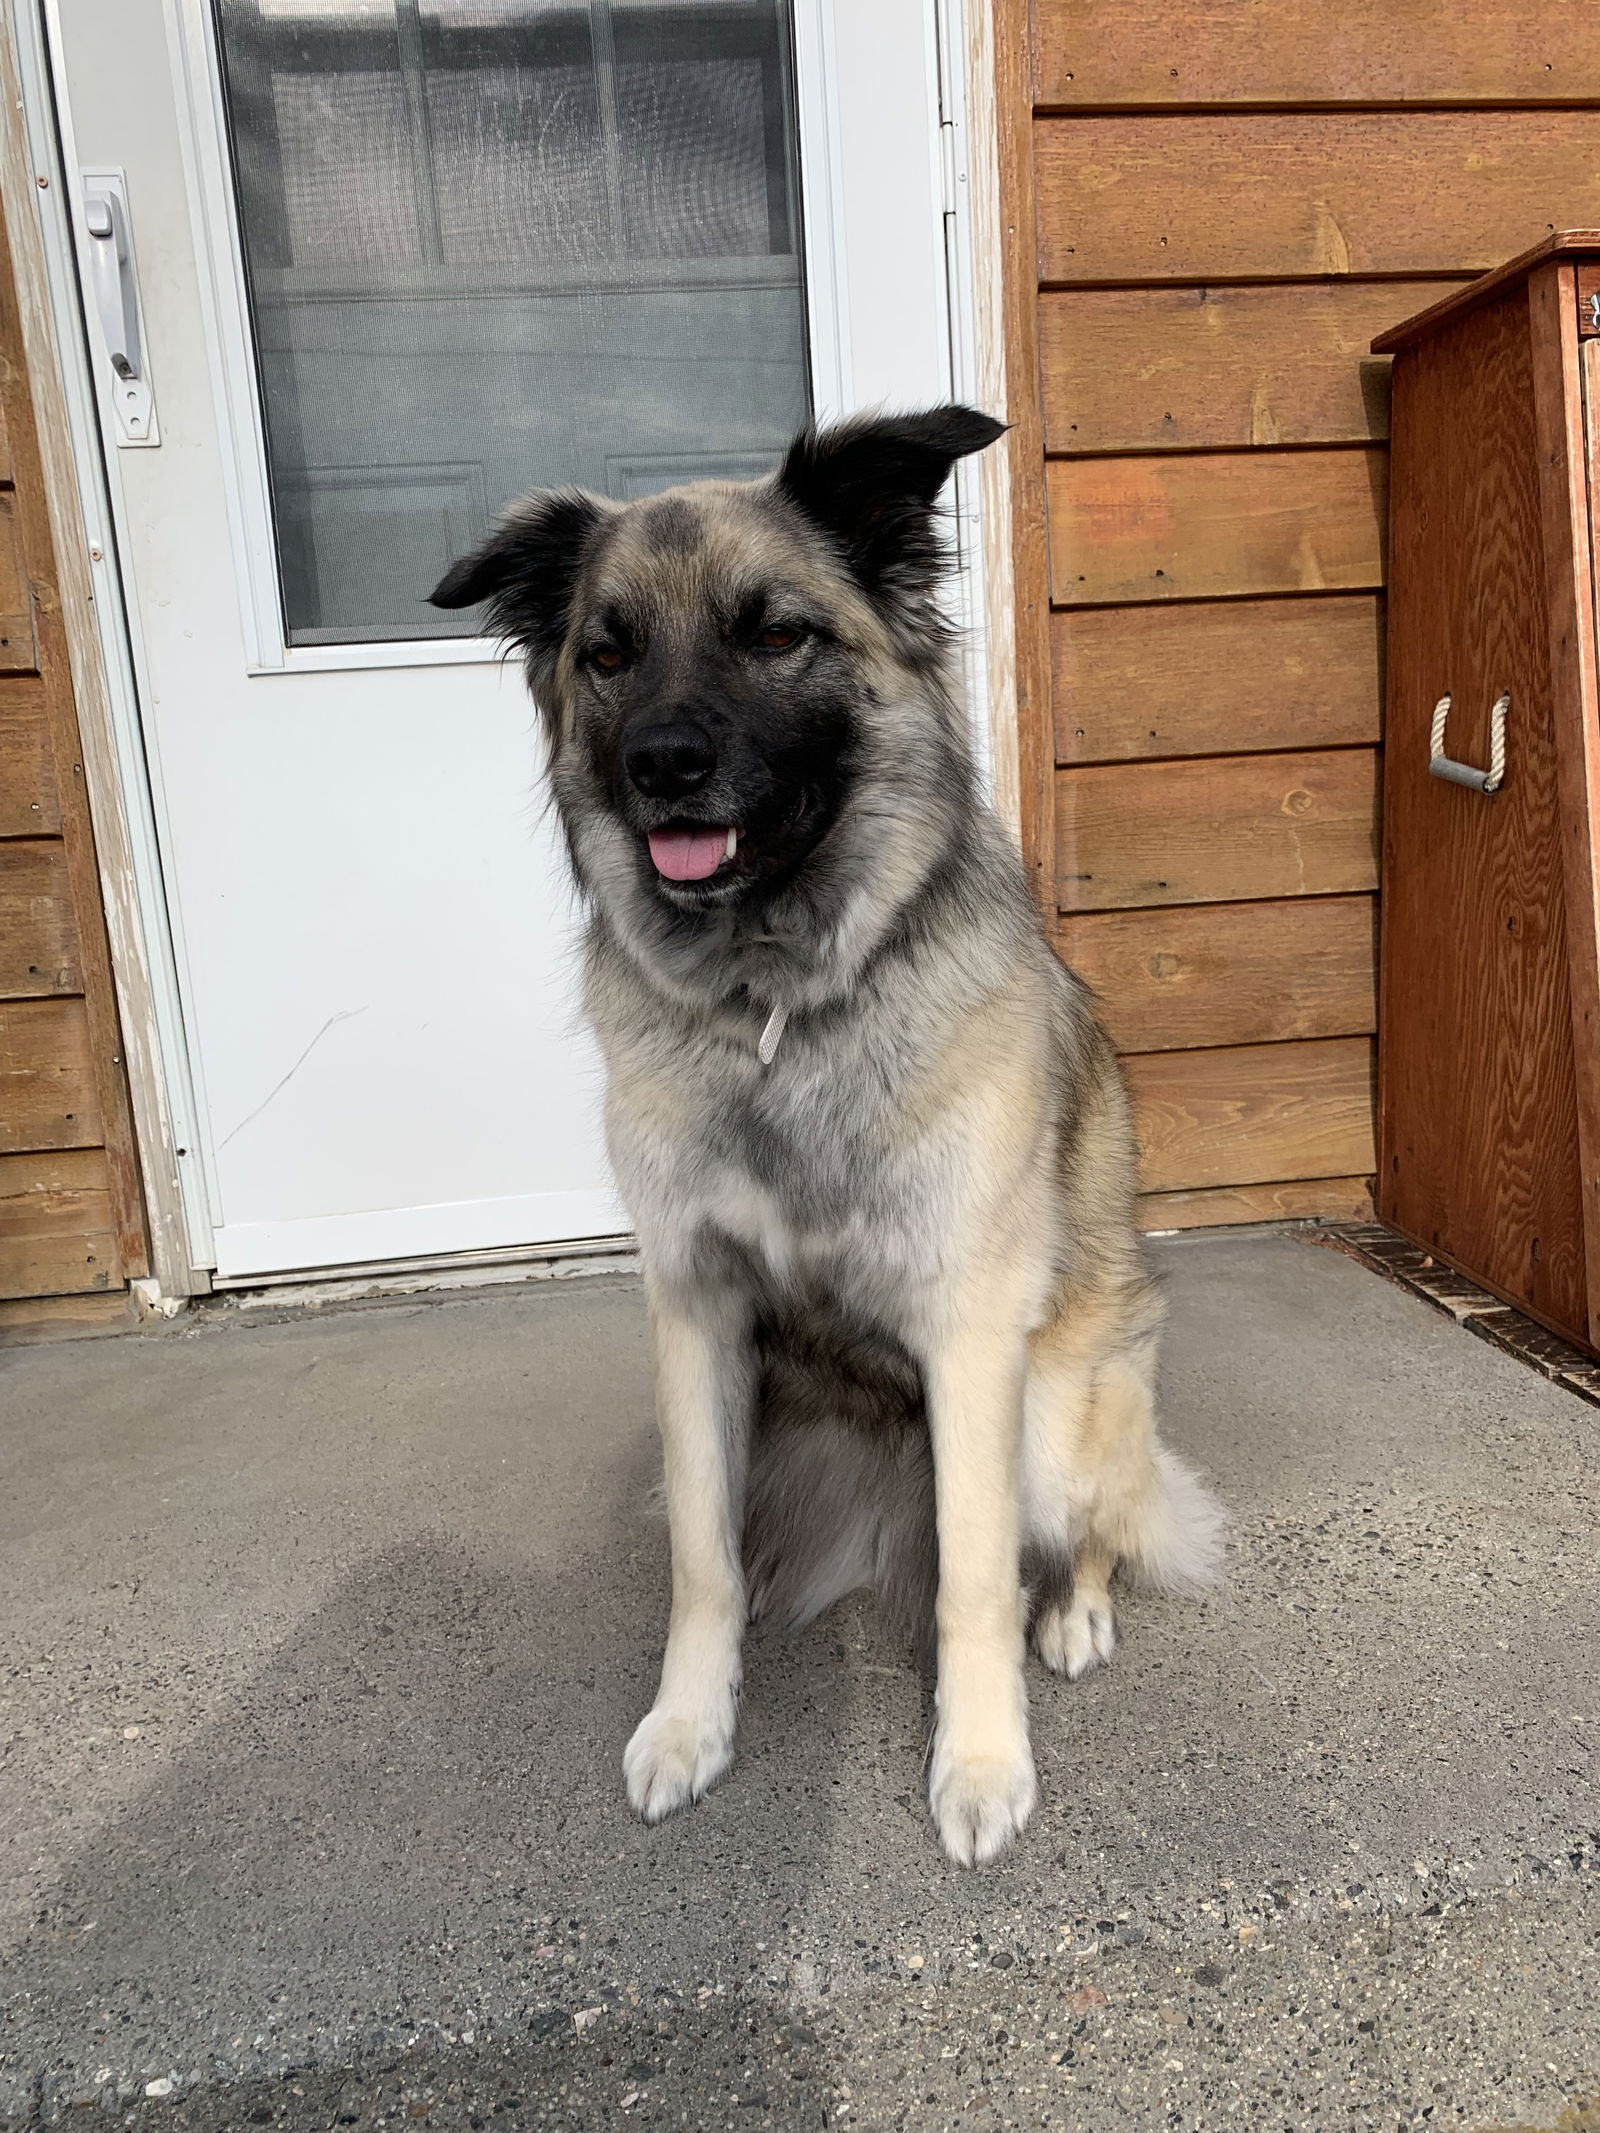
pixel 608 659
pixel 778 638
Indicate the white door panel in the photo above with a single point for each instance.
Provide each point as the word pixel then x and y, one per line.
pixel 374 929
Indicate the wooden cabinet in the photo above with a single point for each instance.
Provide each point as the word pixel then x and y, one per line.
pixel 1489 997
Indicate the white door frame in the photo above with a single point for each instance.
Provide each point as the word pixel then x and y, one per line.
pixel 86 509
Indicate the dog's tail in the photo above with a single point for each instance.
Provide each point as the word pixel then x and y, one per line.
pixel 1173 1541
pixel 830 1508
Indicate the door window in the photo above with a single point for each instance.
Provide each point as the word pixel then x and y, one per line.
pixel 498 244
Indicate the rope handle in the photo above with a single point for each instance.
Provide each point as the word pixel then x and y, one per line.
pixel 1441 765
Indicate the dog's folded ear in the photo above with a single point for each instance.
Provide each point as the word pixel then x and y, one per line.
pixel 525 570
pixel 871 483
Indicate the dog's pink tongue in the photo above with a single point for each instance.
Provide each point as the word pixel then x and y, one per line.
pixel 688 855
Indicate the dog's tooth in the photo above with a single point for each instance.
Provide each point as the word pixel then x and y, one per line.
pixel 733 842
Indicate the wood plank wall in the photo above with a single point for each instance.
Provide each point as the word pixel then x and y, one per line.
pixel 71 1211
pixel 1227 199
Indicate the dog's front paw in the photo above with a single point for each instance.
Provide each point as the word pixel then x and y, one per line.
pixel 980 1801
pixel 1081 1635
pixel 672 1759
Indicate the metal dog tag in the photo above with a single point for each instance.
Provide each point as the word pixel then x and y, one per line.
pixel 770 1035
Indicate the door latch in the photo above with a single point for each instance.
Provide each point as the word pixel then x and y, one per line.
pixel 114 283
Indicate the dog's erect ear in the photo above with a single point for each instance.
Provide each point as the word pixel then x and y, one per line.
pixel 871 484
pixel 525 570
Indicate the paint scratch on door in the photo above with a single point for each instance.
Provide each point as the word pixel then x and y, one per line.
pixel 345 1014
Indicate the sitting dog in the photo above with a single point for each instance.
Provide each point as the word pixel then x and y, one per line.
pixel 876 1144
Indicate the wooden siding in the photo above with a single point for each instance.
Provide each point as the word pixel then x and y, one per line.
pixel 71 1215
pixel 1254 1114
pixel 1110 52
pixel 1218 830
pixel 1249 196
pixel 1217 368
pixel 1171 526
pixel 1257 973
pixel 1228 204
pixel 38 928
pixel 55 1218
pixel 1217 677
pixel 30 805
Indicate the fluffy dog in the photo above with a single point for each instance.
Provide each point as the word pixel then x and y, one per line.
pixel 875 1142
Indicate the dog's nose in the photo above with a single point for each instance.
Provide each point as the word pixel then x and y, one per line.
pixel 663 761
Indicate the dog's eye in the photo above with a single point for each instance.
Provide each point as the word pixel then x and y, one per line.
pixel 609 658
pixel 779 637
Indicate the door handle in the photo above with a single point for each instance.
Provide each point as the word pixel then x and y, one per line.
pixel 1443 766
pixel 114 282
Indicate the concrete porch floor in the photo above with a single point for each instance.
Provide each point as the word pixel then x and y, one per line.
pixel 321 1640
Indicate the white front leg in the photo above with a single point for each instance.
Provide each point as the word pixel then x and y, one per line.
pixel 704 1393
pixel 981 1785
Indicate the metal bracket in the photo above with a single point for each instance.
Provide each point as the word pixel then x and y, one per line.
pixel 1441 766
pixel 114 281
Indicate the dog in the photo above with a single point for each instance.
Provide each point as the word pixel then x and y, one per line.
pixel 876 1144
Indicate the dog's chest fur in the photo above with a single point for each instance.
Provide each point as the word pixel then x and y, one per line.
pixel 805 1165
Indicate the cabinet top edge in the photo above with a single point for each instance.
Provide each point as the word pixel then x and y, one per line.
pixel 1560 244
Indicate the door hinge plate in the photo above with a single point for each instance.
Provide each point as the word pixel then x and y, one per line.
pixel 949 164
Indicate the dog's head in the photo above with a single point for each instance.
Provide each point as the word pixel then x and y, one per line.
pixel 725 668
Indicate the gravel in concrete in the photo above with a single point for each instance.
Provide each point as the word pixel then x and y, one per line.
pixel 321 1640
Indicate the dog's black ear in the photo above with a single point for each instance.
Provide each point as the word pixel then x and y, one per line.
pixel 525 570
pixel 871 483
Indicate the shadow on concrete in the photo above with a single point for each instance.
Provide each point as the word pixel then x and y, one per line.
pixel 410 1828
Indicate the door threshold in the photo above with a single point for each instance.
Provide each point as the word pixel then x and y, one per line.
pixel 570 1260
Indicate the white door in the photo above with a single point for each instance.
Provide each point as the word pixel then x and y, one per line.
pixel 390 262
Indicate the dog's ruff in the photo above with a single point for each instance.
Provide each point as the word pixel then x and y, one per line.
pixel 876 1144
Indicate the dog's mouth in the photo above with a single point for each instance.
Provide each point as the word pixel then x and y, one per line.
pixel 699 863
pixel 687 852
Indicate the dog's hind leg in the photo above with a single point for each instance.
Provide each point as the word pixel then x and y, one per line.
pixel 1102 1484
pixel 705 1376
pixel 1073 1627
pixel 1080 1631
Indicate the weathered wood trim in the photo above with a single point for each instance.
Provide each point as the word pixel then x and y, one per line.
pixel 1566 451
pixel 986 209
pixel 1029 534
pixel 166 1239
pixel 77 833
pixel 27 1319
pixel 1293 1200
